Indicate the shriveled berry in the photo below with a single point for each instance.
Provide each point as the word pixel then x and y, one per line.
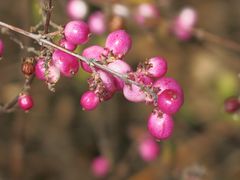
pixel 89 101
pixel 160 125
pixel 76 32
pixel 28 67
pixel 25 102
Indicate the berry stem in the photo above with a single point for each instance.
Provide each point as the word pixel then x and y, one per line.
pixel 48 44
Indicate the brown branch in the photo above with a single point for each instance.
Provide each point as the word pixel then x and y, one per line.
pixel 210 37
pixel 92 62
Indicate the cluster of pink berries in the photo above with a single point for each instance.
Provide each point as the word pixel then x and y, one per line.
pixel 146 15
pixel 146 84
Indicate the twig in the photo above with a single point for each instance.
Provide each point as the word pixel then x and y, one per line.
pixel 207 36
pixel 46 43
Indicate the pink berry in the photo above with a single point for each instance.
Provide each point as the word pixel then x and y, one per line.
pixel 67 64
pixel 160 125
pixel 97 23
pixel 108 82
pixel 122 67
pixel 146 12
pixel 148 149
pixel 133 92
pixel 100 166
pixel 158 67
pixel 119 42
pixel 184 23
pixel 67 45
pixel 46 72
pixel 89 101
pixel 76 32
pixel 92 52
pixel 167 83
pixel 77 9
pixel 25 102
pixel 232 104
pixel 1 48
pixel 170 101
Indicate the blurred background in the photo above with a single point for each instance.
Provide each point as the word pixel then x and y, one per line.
pixel 58 140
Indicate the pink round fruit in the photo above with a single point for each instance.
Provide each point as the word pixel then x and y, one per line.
pixel 89 101
pixel 148 149
pixel 146 12
pixel 119 42
pixel 170 101
pixel 97 23
pixel 100 166
pixel 167 83
pixel 92 52
pixel 184 23
pixel 25 102
pixel 133 93
pixel 122 67
pixel 77 9
pixel 108 81
pixel 67 45
pixel 160 125
pixel 1 48
pixel 232 104
pixel 46 72
pixel 67 64
pixel 158 67
pixel 76 32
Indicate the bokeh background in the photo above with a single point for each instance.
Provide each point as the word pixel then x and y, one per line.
pixel 57 140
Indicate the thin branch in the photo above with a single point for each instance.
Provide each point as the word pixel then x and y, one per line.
pixel 48 44
pixel 207 36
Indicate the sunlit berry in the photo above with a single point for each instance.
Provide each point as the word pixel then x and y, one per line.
pixel 119 42
pixel 25 102
pixel 67 45
pixel 89 101
pixel 76 32
pixel 92 52
pixel 66 63
pixel 46 71
pixel 97 23
pixel 158 67
pixel 77 9
pixel 160 125
pixel 170 101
